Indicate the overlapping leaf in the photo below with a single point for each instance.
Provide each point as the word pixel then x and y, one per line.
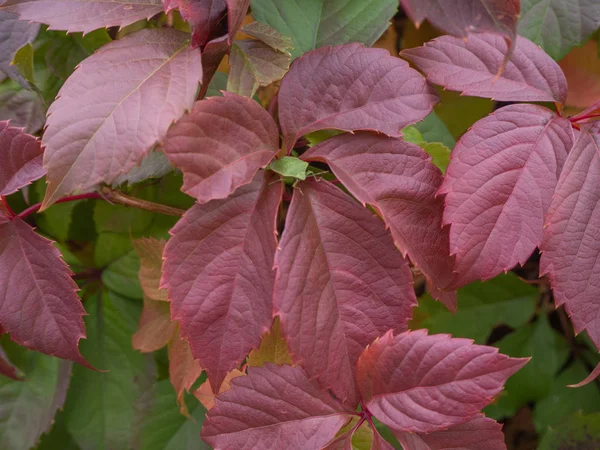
pixel 460 18
pixel 184 370
pixel 254 414
pixel 273 348
pixel 83 15
pixel 150 251
pixel 206 17
pixel 316 23
pixel 351 88
pixel 14 34
pixel 115 106
pixel 156 328
pixel 221 144
pixel 39 306
pixel 569 247
pixel 558 25
pixel 205 394
pixel 6 367
pixel 218 270
pixel 340 284
pixel 397 179
pixel 22 107
pixel 21 156
pixel 472 68
pixel 499 186
pixel 421 384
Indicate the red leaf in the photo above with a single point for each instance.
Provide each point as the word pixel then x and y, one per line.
pixel 236 12
pixel 472 68
pixel 340 284
pixel 219 272
pixel 460 17
pixel 156 328
pixel 39 306
pixel 184 370
pixel 83 15
pixel 499 185
pixel 479 433
pixel 206 17
pixel 21 156
pixel 420 384
pixel 221 144
pixel 212 55
pixel 570 247
pixel 397 179
pixel 350 88
pixel 271 408
pixel 14 34
pixel 115 106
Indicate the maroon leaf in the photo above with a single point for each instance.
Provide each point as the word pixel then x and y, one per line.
pixel 236 12
pixel 14 34
pixel 221 144
pixel 570 248
pixel 340 284
pixel 115 106
pixel 499 185
pixel 212 55
pixel 472 68
pixel 206 17
pixel 400 182
pixel 420 384
pixel 459 17
pixel 274 407
pixel 21 156
pixel 479 433
pixel 350 88
pixel 219 271
pixel 39 306
pixel 83 15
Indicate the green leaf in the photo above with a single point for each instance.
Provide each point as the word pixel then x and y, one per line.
pixel 121 276
pixel 101 406
pixel 217 84
pixel 578 432
pixel 413 135
pixel 558 25
pixel 288 166
pixel 548 351
pixel 315 23
pixel 481 307
pixel 433 129
pixel 440 154
pixel 27 408
pixel 59 437
pixel 66 51
pixel 56 220
pixel 109 247
pixel 23 61
pixel 316 137
pixel 563 401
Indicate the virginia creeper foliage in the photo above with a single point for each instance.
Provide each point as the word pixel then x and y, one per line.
pixel 281 233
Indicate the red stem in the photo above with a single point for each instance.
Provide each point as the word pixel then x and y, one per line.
pixel 7 206
pixel 587 116
pixel 35 208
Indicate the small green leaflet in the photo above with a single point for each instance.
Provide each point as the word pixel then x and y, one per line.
pixel 440 154
pixel 288 166
pixel 23 61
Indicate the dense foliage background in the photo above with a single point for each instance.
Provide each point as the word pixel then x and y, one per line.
pixel 150 393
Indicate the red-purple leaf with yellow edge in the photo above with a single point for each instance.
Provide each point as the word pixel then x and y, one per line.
pixel 499 185
pixel 115 106
pixel 472 67
pixel 570 247
pixel 274 407
pixel 221 144
pixel 39 306
pixel 479 433
pixel 421 384
pixel 21 156
pixel 184 370
pixel 400 182
pixel 351 88
pixel 460 18
pixel 340 283
pixel 219 272
pixel 83 15
pixel 156 328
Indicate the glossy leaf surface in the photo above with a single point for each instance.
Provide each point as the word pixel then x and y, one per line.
pixel 418 383
pixel 253 414
pixel 219 272
pixel 340 284
pixel 116 105
pixel 370 91
pixel 221 144
pixel 403 192
pixel 21 156
pixel 83 15
pixel 499 186
pixel 472 68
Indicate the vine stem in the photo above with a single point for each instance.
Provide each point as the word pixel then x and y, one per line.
pixel 112 197
pixel 7 206
pixel 587 116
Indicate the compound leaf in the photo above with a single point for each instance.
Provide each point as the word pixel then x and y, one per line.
pixel 219 272
pixel 419 384
pixel 473 68
pixel 340 284
pixel 221 144
pixel 21 156
pixel 370 90
pixel 115 106
pixel 498 188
